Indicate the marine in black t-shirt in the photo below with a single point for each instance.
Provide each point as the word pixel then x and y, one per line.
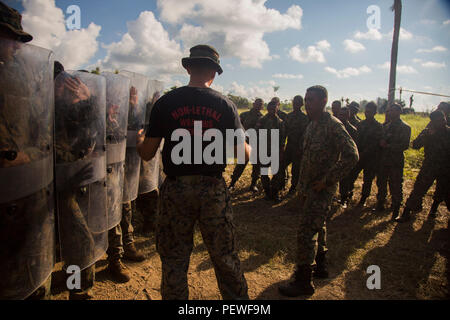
pixel 195 191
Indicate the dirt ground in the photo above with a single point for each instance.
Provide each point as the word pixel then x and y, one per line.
pixel 413 257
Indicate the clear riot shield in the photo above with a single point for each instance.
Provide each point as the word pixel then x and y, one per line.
pixel 149 175
pixel 27 223
pixel 136 119
pixel 80 171
pixel 117 104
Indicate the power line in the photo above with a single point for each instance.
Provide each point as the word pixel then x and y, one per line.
pixel 421 92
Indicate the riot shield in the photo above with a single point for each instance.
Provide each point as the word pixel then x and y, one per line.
pixel 136 119
pixel 27 223
pixel 80 171
pixel 117 104
pixel 149 174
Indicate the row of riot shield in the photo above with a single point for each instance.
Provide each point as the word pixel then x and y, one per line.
pixel 69 141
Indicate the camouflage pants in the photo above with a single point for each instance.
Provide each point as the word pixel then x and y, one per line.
pixel 312 230
pixel 370 171
pixel 280 180
pixel 122 234
pixel 393 176
pixel 239 169
pixel 147 204
pixel 77 240
pixel 424 181
pixel 183 202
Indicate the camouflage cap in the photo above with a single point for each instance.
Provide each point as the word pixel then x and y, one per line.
pixel 12 20
pixel 203 53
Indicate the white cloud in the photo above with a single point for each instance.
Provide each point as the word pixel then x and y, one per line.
pixel 404 34
pixel 401 69
pixel 287 76
pixel 348 72
pixel 434 49
pixel 372 34
pixel 146 48
pixel 235 27
pixel 353 46
pixel 432 64
pixel 310 54
pixel 446 22
pixel 265 93
pixel 46 23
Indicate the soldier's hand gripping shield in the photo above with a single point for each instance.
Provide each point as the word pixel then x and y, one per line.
pixel 27 224
pixel 117 103
pixel 150 170
pixel 80 152
pixel 136 119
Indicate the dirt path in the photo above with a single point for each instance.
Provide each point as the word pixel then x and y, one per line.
pixel 413 257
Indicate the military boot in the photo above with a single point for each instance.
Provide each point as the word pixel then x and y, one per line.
pixel 406 216
pixel 80 294
pixel 132 254
pixel 118 271
pixel 321 271
pixel 301 285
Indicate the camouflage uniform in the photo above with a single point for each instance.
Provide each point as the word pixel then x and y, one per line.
pixel 270 122
pixel 435 167
pixel 122 234
pixel 397 135
pixel 296 123
pixel 345 185
pixel 329 153
pixel 185 200
pixel 370 132
pixel 147 203
pixel 249 120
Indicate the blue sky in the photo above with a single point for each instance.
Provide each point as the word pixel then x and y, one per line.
pixel 290 44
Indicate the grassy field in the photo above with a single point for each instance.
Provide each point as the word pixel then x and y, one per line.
pixel 413 257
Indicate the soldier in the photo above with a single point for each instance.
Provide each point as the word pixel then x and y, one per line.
pixel 354 109
pixel 280 113
pixel 396 136
pixel 370 133
pixel 336 108
pixel 249 119
pixel 136 120
pixel 436 141
pixel 270 122
pixel 296 124
pixel 27 221
pixel 194 192
pixel 345 185
pixel 80 173
pixel 117 105
pixel 329 153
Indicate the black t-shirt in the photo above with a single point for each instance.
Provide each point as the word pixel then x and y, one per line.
pixel 178 109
